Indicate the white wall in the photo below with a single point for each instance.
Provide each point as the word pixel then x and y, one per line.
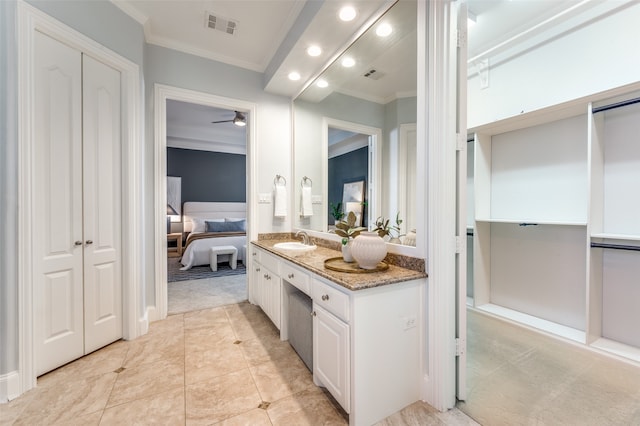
pixel 586 60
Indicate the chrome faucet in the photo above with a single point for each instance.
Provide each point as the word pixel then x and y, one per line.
pixel 305 237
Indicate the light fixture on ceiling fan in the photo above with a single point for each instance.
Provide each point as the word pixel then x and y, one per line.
pixel 239 120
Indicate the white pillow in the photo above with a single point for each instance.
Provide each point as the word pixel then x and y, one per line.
pixel 198 224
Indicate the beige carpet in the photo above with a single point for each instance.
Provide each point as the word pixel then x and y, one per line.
pixel 520 377
pixel 195 295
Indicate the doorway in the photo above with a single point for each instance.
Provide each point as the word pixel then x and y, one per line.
pixel 163 96
pixel 206 163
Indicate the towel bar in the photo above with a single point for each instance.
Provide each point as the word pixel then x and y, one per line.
pixel 278 178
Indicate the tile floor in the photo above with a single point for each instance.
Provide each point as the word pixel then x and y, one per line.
pixel 223 366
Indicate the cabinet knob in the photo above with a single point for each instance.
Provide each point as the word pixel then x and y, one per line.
pixel 325 297
pixel 265 276
pixel 88 242
pixel 290 275
pixel 313 314
pixel 257 269
pixel 253 254
pixel 78 243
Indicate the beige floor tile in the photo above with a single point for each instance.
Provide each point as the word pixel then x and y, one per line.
pixel 249 322
pixel 265 348
pixel 255 417
pixel 105 360
pixel 92 419
pixel 147 380
pixel 422 414
pixel 281 378
pixel 208 361
pixel 11 411
pixel 221 398
pixel 166 408
pixel 210 318
pixel 155 347
pixel 308 407
pixel 63 403
pixel 170 324
pixel 208 337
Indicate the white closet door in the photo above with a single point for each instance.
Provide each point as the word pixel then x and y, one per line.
pixel 102 228
pixel 57 222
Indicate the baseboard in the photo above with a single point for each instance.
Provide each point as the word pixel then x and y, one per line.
pixel 9 386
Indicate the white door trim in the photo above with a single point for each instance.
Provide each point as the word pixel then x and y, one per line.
pixel 162 93
pixel 30 20
pixel 437 149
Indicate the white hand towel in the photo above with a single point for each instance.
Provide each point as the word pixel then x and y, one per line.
pixel 307 207
pixel 280 202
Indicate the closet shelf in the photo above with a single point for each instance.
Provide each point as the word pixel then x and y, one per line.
pixel 616 237
pixel 534 322
pixel 529 222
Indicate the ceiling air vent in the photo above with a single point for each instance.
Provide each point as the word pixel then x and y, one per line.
pixel 220 23
pixel 374 74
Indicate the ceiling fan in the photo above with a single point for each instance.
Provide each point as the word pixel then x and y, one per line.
pixel 239 120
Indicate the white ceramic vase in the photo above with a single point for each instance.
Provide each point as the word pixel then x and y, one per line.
pixel 346 252
pixel 368 249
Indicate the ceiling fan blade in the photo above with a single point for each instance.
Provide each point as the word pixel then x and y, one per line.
pixel 222 121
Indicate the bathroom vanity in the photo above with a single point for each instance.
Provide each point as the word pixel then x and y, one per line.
pixel 368 335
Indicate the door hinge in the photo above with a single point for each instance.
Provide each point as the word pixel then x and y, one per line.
pixel 460 346
pixel 458 244
pixel 461 141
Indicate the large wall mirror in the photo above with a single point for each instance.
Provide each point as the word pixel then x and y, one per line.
pixel 358 123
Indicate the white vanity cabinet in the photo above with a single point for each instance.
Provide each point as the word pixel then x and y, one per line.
pixel 366 342
pixel 331 341
pixel 556 226
pixel 266 287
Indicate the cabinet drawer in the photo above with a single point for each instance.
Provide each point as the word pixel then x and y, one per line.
pixel 270 261
pixel 296 277
pixel 255 252
pixel 331 299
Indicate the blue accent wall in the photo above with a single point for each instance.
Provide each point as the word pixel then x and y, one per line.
pixel 349 167
pixel 209 176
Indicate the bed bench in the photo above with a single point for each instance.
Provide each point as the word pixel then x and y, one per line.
pixel 215 251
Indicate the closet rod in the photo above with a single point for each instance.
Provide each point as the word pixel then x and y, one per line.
pixel 615 246
pixel 616 105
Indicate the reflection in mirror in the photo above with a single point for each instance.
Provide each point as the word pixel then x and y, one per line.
pixel 379 93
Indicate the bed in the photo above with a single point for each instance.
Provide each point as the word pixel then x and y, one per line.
pixel 212 224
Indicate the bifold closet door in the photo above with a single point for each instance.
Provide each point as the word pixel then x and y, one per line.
pixel 101 204
pixel 76 204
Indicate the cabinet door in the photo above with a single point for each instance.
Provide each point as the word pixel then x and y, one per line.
pixel 256 292
pixel 331 355
pixel 272 296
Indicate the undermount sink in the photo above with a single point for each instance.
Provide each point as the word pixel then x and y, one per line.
pixel 294 247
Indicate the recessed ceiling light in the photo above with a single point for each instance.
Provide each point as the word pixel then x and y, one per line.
pixel 348 62
pixel 314 50
pixel 293 75
pixel 322 83
pixel 347 13
pixel 383 30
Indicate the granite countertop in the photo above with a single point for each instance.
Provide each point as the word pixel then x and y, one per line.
pixel 314 262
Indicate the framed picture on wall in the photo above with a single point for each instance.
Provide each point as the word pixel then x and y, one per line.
pixel 352 199
pixel 174 196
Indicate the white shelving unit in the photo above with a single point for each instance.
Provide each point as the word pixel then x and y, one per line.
pixel 547 187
